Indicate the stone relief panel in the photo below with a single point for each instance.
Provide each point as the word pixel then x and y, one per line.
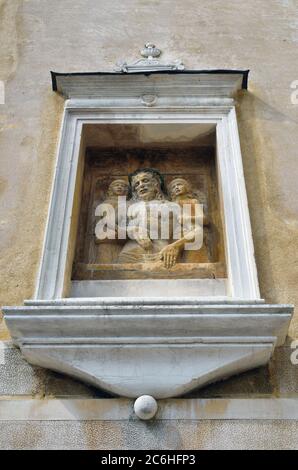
pixel 128 194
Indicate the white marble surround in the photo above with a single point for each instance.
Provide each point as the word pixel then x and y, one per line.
pixel 160 345
pixel 242 282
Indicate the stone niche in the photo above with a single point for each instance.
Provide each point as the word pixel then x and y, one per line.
pixel 150 321
pixel 181 153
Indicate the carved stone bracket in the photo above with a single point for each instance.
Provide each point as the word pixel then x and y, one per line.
pixel 161 349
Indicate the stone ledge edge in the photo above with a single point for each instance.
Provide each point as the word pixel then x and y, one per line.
pixel 121 409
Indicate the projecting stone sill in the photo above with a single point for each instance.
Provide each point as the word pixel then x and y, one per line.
pixel 132 347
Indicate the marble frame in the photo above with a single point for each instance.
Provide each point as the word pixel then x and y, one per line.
pixel 241 268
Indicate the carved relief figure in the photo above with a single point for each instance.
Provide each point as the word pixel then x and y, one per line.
pixel 118 187
pixel 110 247
pixel 123 246
pixel 181 192
pixel 148 204
pixel 147 188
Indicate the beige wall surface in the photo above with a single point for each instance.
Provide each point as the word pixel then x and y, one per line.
pixel 37 36
pixel 105 435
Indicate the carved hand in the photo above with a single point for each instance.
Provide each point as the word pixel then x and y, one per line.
pixel 169 255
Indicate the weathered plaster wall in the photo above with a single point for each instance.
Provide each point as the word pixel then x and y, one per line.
pixel 37 36
pixel 207 435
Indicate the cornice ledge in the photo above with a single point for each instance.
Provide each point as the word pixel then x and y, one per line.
pixel 149 88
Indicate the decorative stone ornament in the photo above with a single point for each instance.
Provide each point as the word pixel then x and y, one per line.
pixel 148 100
pixel 158 337
pixel 150 63
pixel 145 407
pixel 150 51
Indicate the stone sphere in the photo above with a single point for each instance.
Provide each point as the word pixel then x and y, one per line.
pixel 145 407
